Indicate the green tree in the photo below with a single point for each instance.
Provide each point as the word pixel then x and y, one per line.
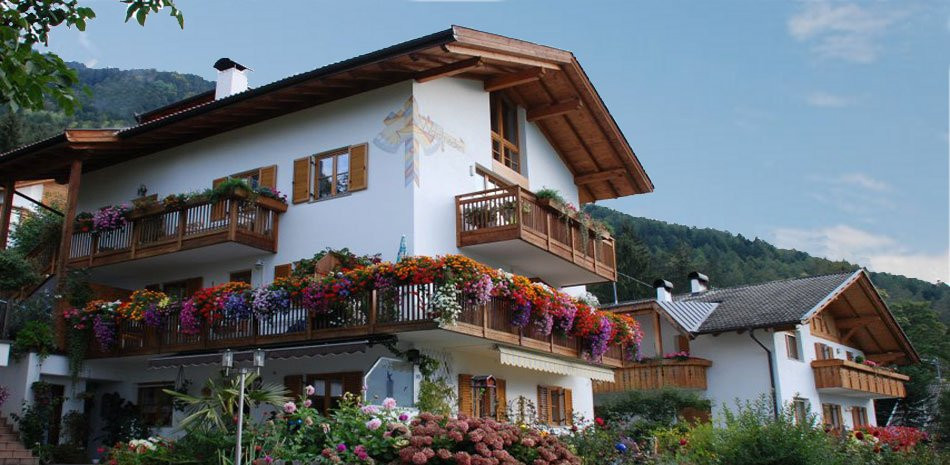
pixel 29 78
pixel 11 132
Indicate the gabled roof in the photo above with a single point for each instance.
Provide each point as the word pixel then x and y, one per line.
pixel 765 305
pixel 548 82
pixel 850 299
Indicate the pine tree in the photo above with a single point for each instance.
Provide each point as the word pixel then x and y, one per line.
pixel 11 132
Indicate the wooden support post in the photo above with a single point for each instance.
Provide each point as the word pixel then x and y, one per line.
pixel 65 241
pixel 6 213
pixel 373 310
pixel 657 335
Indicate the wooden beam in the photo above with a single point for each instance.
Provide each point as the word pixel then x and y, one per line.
pixel 856 322
pixel 885 357
pixel 554 109
pixel 848 335
pixel 450 69
pixel 657 336
pixel 599 176
pixel 72 197
pixel 7 212
pixel 503 57
pixel 513 79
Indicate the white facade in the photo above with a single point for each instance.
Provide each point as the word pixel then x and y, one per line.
pixel 422 207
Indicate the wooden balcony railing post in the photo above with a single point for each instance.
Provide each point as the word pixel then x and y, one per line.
pixel 182 224
pixel 134 239
pixel 373 309
pixel 232 218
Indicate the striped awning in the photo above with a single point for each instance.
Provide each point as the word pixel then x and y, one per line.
pixel 534 361
pixel 339 348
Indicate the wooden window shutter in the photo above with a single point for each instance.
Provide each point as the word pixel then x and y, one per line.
pixel 283 271
pixel 465 395
pixel 855 422
pixel 501 400
pixel 353 382
pixel 268 177
pixel 219 209
pixel 301 184
pixel 682 343
pixel 544 405
pixel 819 354
pixel 359 172
pixel 294 384
pixel 193 285
pixel 569 406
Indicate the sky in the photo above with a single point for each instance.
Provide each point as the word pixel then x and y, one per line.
pixel 816 125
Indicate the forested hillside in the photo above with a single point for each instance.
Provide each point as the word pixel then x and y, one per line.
pixel 648 249
pixel 113 99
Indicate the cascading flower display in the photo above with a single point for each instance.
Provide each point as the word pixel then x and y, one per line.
pixel 441 287
pixel 110 218
pixel 103 316
pixel 145 305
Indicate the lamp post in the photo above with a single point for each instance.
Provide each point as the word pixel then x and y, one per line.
pixel 227 362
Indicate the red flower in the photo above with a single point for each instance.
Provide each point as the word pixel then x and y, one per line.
pixel 683 442
pixel 599 421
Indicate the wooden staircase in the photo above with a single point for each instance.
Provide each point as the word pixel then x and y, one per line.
pixel 12 451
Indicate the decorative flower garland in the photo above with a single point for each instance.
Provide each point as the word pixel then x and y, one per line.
pixel 455 280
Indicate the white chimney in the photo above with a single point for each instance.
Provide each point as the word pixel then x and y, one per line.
pixel 664 290
pixel 698 282
pixel 232 78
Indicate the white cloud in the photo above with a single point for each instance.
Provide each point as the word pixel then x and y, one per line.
pixel 846 31
pixel 876 252
pixel 865 181
pixel 828 100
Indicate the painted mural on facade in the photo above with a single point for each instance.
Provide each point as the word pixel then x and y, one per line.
pixel 416 134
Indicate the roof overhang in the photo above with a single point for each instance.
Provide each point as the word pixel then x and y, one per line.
pixel 865 321
pixel 550 83
pixel 294 352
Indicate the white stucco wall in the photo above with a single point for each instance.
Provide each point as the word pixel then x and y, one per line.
pixel 739 370
pixel 668 335
pixel 367 221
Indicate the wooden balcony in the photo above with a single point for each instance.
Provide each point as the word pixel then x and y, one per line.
pixel 251 223
pixel 658 374
pixel 514 226
pixel 849 378
pixel 373 314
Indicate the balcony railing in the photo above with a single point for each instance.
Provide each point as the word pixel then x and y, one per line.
pixel 658 374
pixel 850 377
pixel 158 232
pixel 514 213
pixel 407 308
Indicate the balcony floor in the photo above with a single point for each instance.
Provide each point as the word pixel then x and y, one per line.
pixel 534 261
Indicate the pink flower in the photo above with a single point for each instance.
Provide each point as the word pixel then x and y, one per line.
pixel 389 403
pixel 370 410
pixel 341 447
pixel 310 390
pixel 374 424
pixel 307 403
pixel 403 417
pixel 360 452
pixel 290 407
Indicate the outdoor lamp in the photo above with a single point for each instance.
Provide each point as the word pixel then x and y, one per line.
pixel 259 356
pixel 227 360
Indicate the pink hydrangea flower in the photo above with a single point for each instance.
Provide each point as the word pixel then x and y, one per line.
pixel 290 407
pixel 307 403
pixel 374 424
pixel 389 403
pixel 370 410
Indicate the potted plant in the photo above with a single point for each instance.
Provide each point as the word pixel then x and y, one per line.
pixel 550 198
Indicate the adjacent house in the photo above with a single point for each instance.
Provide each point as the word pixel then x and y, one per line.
pixel 439 142
pixel 821 345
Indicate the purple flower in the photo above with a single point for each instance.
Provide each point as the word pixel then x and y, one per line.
pixel 403 417
pixel 188 318
pixel 341 447
pixel 370 410
pixel 104 330
pixel 110 218
pixel 236 307
pixel 266 302
pixel 522 315
pixel 360 452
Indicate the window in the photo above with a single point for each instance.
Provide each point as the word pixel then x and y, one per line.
pixel 483 396
pixel 791 346
pixel 333 174
pixel 850 356
pixel 831 415
pixel 555 406
pixel 243 276
pixel 155 404
pixel 823 351
pixel 178 290
pixel 330 174
pixel 859 416
pixel 504 132
pixel 328 387
pixel 800 410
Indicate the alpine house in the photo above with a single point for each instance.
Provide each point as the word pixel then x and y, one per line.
pixel 200 231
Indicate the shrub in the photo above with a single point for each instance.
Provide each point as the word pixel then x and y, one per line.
pixel 638 413
pixel 41 228
pixel 601 443
pixel 15 271
pixel 436 396
pixel 35 336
